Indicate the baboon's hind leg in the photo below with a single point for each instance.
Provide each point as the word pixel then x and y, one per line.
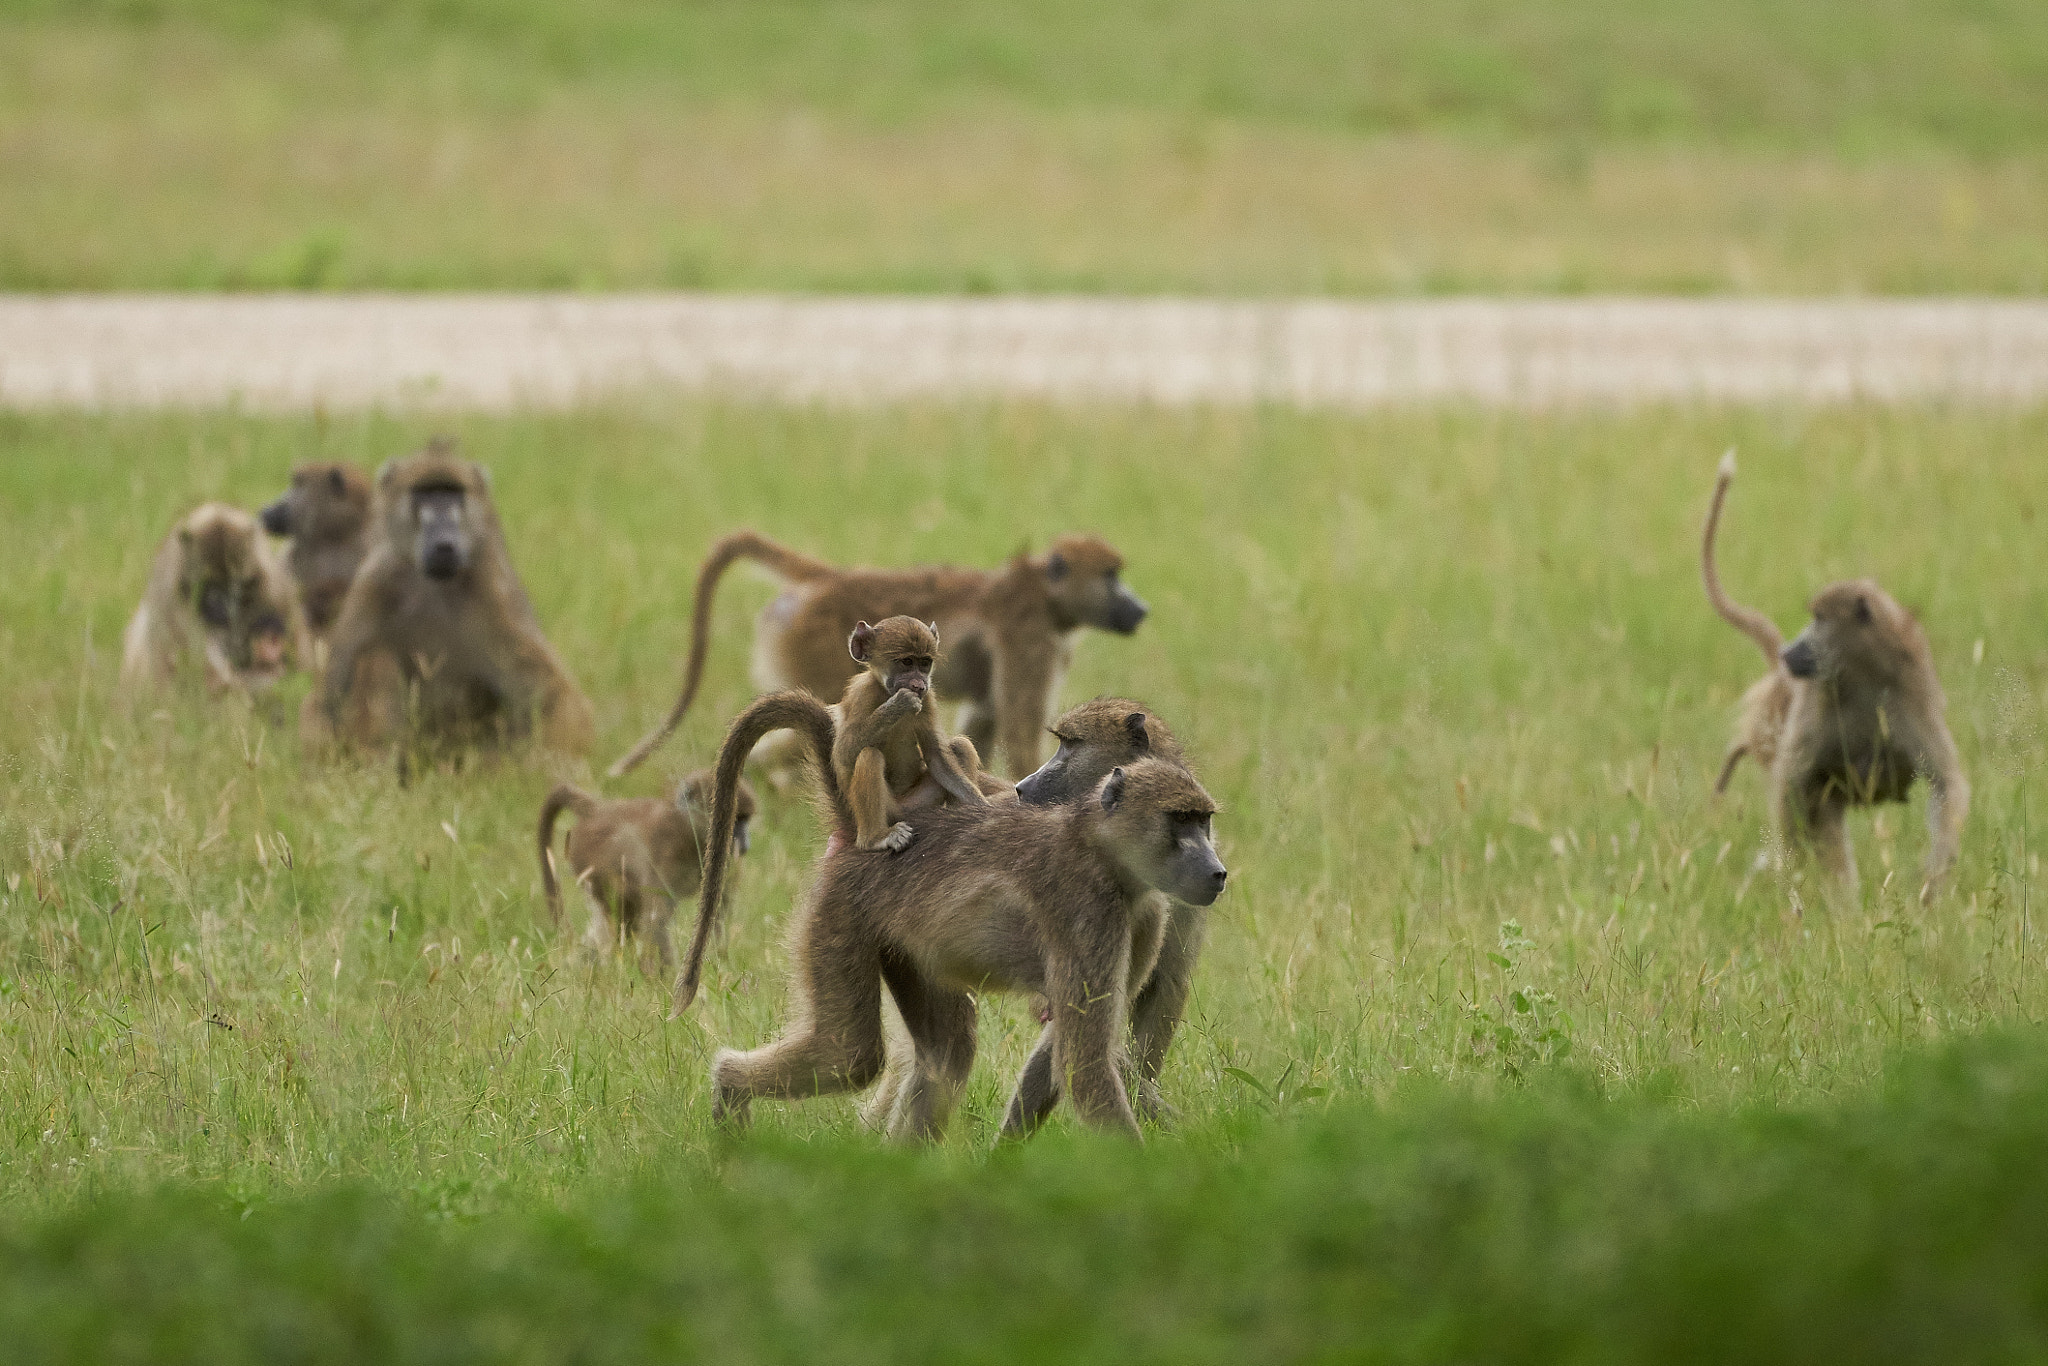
pixel 1160 1003
pixel 1037 1094
pixel 835 1046
pixel 941 1021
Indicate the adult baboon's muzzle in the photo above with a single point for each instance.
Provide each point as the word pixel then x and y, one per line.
pixel 277 518
pixel 1801 659
pixel 442 560
pixel 1206 890
pixel 1126 611
pixel 214 603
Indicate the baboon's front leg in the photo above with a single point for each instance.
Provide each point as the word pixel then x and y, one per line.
pixel 941 1021
pixel 1087 1026
pixel 1948 806
pixel 1161 1001
pixel 1827 824
pixel 1037 1093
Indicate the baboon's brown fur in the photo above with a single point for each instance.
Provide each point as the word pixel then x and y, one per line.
pixel 1067 901
pixel 889 756
pixel 1094 738
pixel 634 858
pixel 326 512
pixel 436 641
pixel 218 599
pixel 1010 630
pixel 1860 719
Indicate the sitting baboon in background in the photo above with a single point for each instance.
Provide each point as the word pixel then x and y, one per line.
pixel 1066 901
pixel 1850 715
pixel 1011 631
pixel 326 512
pixel 217 599
pixel 436 642
pixel 634 858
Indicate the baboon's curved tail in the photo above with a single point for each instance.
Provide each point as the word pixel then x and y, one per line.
pixel 565 797
pixel 1747 620
pixel 779 560
pixel 791 710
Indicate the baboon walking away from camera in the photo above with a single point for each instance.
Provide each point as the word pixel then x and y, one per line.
pixel 634 858
pixel 437 642
pixel 1010 631
pixel 1849 715
pixel 217 601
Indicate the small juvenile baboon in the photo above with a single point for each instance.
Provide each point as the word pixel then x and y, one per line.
pixel 1850 715
pixel 634 859
pixel 1011 630
pixel 217 598
pixel 436 641
pixel 889 756
pixel 326 513
pixel 1067 901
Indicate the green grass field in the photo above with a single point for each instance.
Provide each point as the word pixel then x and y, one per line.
pixel 1301 146
pixel 1499 1049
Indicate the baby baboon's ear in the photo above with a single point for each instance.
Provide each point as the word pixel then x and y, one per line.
pixel 1135 724
pixel 1112 789
pixel 336 482
pixel 1863 610
pixel 1055 566
pixel 861 642
pixel 933 627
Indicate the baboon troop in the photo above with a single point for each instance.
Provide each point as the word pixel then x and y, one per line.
pixel 1085 886
pixel 436 643
pixel 217 602
pixel 1849 715
pixel 326 513
pixel 634 858
pixel 1010 631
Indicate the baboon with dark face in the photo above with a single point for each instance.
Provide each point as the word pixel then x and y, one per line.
pixel 1010 631
pixel 436 642
pixel 326 512
pixel 1066 901
pixel 634 858
pixel 217 601
pixel 1850 715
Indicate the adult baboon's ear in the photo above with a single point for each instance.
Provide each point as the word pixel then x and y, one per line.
pixel 336 481
pixel 1112 789
pixel 1055 566
pixel 1135 724
pixel 861 642
pixel 1863 610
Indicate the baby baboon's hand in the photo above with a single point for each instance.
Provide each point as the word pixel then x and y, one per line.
pixel 903 702
pixel 899 837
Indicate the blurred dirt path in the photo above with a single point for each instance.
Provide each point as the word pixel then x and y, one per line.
pixel 513 351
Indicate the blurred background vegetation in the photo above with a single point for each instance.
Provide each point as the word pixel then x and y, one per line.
pixel 1299 146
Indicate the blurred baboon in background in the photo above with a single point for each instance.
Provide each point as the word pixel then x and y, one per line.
pixel 326 513
pixel 217 601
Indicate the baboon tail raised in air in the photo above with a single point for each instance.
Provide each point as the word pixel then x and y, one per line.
pixel 565 797
pixel 781 561
pixel 1747 620
pixel 791 710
